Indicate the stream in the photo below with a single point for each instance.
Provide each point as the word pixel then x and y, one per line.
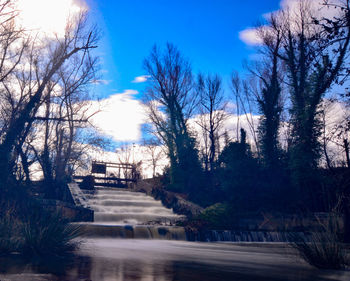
pixel 134 237
pixel 164 260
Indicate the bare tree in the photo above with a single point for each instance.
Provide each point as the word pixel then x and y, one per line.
pixel 31 83
pixel 65 111
pixel 13 41
pixel 334 119
pixel 13 44
pixel 170 100
pixel 155 152
pixel 212 112
pixel 242 91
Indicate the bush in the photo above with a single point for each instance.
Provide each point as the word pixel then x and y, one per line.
pixel 45 234
pixel 217 216
pixel 28 229
pixel 8 237
pixel 322 249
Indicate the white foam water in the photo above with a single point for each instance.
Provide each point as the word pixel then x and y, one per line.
pixel 124 207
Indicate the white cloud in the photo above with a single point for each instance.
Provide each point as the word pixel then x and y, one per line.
pixel 101 82
pixel 120 116
pixel 250 37
pixel 138 153
pixel 232 125
pixel 133 153
pixel 141 79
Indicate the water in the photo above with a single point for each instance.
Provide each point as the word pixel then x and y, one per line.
pixel 124 207
pixel 120 213
pixel 103 256
pixel 154 260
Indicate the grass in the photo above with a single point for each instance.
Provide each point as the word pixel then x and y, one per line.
pixel 36 233
pixel 323 249
pixel 48 235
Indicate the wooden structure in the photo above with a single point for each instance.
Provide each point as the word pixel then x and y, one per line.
pixel 108 174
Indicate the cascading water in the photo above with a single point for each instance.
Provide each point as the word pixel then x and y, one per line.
pixel 120 207
pixel 128 214
pixel 123 213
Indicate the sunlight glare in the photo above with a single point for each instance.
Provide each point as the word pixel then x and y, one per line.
pixel 48 16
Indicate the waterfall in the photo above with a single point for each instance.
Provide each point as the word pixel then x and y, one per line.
pixel 123 213
pixel 135 232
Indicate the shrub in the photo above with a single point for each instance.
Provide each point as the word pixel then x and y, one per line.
pixel 8 237
pixel 322 249
pixel 45 234
pixel 217 216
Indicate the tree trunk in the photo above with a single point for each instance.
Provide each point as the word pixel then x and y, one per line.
pixel 346 146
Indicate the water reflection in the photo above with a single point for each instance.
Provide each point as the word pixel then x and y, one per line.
pixel 151 260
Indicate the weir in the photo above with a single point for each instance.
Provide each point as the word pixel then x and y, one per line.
pixel 123 213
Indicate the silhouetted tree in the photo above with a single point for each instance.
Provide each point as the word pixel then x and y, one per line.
pixel 268 95
pixel 245 102
pixel 313 50
pixel 155 152
pixel 29 85
pixel 239 173
pixel 212 116
pixel 170 100
pixel 65 112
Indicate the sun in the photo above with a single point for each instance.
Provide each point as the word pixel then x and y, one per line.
pixel 48 16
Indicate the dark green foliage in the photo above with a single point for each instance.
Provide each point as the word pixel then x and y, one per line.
pixel 269 103
pixel 311 71
pixel 271 110
pixel 323 251
pixel 239 171
pixel 247 185
pixel 307 55
pixel 305 146
pixel 218 216
pixel 184 170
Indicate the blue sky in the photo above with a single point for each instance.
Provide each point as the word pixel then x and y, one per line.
pixel 205 31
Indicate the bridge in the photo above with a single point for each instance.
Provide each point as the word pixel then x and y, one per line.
pixel 108 174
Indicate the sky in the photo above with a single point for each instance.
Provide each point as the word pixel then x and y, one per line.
pixel 214 35
pixel 205 31
pixel 209 33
